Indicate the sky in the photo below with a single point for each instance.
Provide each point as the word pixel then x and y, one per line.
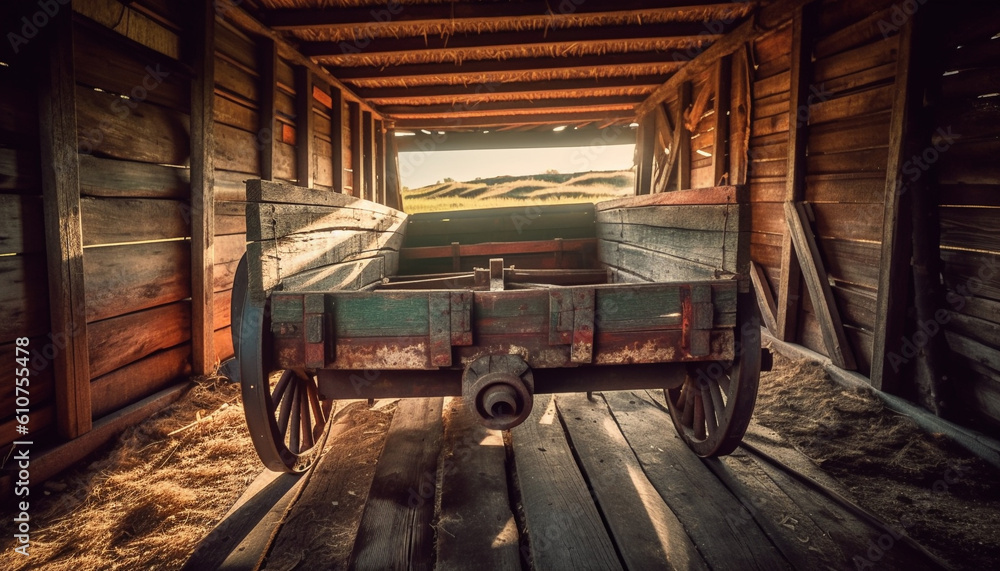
pixel 421 169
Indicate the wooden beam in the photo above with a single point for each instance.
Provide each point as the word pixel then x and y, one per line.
pixel 723 77
pixel 380 162
pixel 801 70
pixel 524 87
pixel 63 229
pixel 268 67
pixel 392 195
pixel 368 154
pixel 304 122
pixel 513 65
pixel 230 10
pixel 527 103
pixel 445 123
pixel 894 267
pixel 815 277
pixel 203 191
pixel 357 143
pixel 351 17
pixel 683 151
pixel 337 138
pixel 766 19
pixel 646 147
pixel 536 138
pixel 765 299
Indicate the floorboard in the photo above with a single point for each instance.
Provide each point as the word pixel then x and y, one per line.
pixel 704 506
pixel 647 532
pixel 476 528
pixel 395 530
pixel 563 525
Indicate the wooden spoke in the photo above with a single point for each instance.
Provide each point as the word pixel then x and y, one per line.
pixel 289 422
pixel 712 409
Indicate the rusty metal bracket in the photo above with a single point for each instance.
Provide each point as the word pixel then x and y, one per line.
pixel 449 324
pixel 571 321
pixel 698 316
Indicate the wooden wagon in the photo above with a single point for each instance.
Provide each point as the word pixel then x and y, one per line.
pixel 339 297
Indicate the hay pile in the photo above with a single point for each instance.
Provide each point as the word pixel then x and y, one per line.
pixel 146 504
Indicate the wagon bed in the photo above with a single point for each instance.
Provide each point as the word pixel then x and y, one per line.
pixel 343 298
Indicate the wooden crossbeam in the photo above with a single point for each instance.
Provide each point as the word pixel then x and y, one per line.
pixel 818 284
pixel 542 118
pixel 349 17
pixel 499 40
pixel 513 65
pixel 536 103
pixel 526 88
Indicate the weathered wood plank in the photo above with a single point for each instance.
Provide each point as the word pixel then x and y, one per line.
pixel 345 276
pixel 129 179
pixel 127 278
pixel 703 506
pixel 401 499
pixel 282 220
pixel 647 533
pixel 119 220
pixel 22 227
pixel 699 196
pixel 104 129
pixel 765 299
pixel 271 261
pixel 59 105
pixel 814 275
pixel 23 298
pixel 716 249
pixel 859 103
pixel 652 265
pixel 202 212
pixel 140 379
pixel 305 127
pixel 122 340
pixel 19 170
pixel 563 525
pixel 475 524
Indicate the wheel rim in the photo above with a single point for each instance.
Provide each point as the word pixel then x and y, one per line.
pixel 288 421
pixel 712 408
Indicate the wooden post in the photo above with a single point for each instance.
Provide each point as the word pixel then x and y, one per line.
pixel 684 141
pixel 304 126
pixel 63 229
pixel 380 162
pixel 894 268
pixel 646 146
pixel 723 77
pixel 789 287
pixel 357 153
pixel 337 138
pixel 392 186
pixel 268 55
pixel 739 118
pixel 203 191
pixel 368 154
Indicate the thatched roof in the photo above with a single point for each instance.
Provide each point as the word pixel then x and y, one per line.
pixel 533 62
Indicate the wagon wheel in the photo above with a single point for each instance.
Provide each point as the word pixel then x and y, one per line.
pixel 712 409
pixel 287 419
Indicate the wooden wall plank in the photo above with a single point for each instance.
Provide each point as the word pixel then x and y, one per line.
pixel 136 381
pixel 202 212
pixel 127 278
pixel 119 220
pixel 368 154
pixel 24 303
pixel 115 178
pixel 337 138
pixel 58 104
pixel 121 340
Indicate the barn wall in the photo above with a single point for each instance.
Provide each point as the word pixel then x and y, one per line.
pixel 850 121
pixel 965 185
pixel 132 94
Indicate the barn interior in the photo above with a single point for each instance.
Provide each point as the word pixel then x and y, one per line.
pixel 864 131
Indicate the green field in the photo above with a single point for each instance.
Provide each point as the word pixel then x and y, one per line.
pixel 550 188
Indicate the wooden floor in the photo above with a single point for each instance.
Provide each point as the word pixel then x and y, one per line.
pixel 583 484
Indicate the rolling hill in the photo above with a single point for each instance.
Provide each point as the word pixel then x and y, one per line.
pixel 549 188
